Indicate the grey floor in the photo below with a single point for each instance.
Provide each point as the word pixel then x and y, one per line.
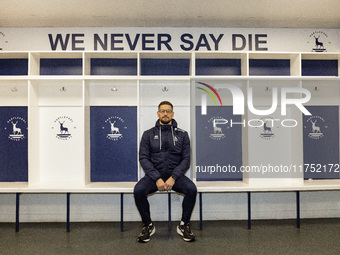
pixel 316 236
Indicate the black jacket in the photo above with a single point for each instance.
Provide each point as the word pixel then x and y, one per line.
pixel 164 151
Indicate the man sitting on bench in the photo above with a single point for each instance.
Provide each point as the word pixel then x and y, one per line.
pixel 165 157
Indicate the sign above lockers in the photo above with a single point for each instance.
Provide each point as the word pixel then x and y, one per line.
pixel 170 39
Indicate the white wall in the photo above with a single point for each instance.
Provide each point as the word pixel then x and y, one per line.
pixel 99 207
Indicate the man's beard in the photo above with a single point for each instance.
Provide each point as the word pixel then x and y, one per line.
pixel 165 122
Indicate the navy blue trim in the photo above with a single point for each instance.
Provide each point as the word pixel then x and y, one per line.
pixel 218 66
pixel 17 210
pixel 269 67
pixel 298 209
pixel 16 66
pixel 319 67
pixel 249 210
pixel 169 208
pixel 150 66
pixel 121 212
pixel 61 66
pixel 117 66
pixel 201 210
pixel 68 212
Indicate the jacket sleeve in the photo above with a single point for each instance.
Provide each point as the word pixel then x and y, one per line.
pixel 184 164
pixel 145 158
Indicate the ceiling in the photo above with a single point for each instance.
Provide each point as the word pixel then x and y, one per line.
pixel 171 13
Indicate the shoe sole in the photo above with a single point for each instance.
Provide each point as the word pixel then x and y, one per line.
pixel 147 240
pixel 181 234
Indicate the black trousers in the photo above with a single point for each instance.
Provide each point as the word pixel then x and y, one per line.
pixel 147 186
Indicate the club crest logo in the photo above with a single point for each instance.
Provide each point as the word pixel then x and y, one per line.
pixel 267 129
pixel 267 126
pixel 316 125
pixel 319 40
pixel 215 126
pixel 114 128
pixel 64 126
pixel 16 126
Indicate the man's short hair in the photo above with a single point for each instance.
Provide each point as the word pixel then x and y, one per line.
pixel 165 103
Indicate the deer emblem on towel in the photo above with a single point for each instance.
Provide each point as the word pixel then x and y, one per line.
pixel 63 129
pixel 315 128
pixel 114 130
pixel 16 130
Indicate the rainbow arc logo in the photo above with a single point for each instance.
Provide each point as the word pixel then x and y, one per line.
pixel 209 93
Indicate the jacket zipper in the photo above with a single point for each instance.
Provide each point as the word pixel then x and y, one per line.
pixel 160 137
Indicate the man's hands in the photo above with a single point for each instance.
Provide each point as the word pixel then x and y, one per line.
pixel 165 186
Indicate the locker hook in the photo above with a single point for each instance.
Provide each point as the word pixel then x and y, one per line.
pixel 114 89
pixel 165 89
pixel 63 89
pixel 14 89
